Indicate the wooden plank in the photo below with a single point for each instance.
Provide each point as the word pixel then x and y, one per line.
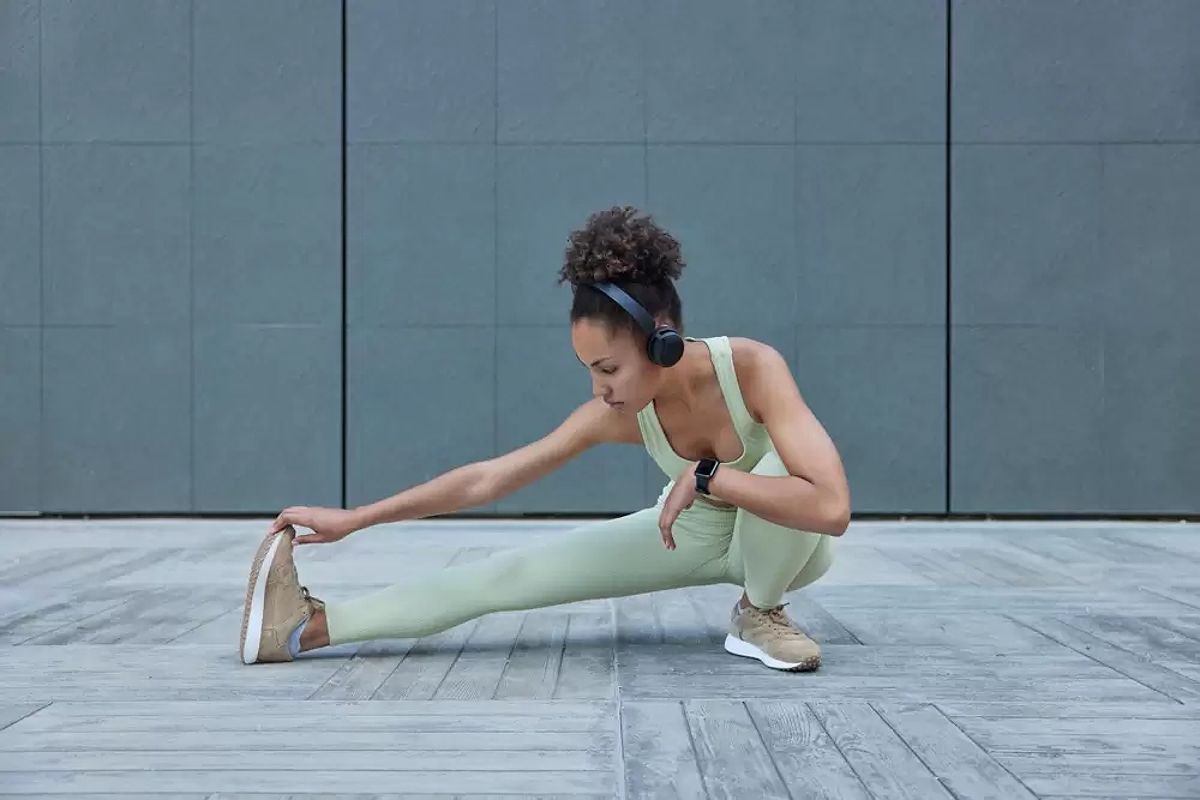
pixel 377 781
pixel 268 709
pixel 537 655
pixel 883 762
pixel 425 665
pixel 11 713
pixel 475 675
pixel 362 675
pixel 678 618
pixel 637 622
pixel 658 755
pixel 958 762
pixel 1158 678
pixel 328 756
pixel 1163 708
pixel 733 760
pixel 588 658
pixel 382 739
pixel 808 760
pixel 1118 784
pixel 885 627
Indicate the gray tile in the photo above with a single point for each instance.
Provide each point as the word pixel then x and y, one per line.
pixel 871 71
pixel 545 193
pixel 268 71
pixel 267 417
pixel 20 420
pixel 1148 233
pixel 1026 417
pixel 93 89
pixel 715 73
pixel 732 210
pixel 420 401
pixel 871 226
pixel 115 230
pixel 267 233
pixel 20 231
pixel 421 235
pixel 1025 243
pixel 1151 393
pixel 421 71
pixel 115 419
pixel 20 67
pixel 570 71
pixel 1102 71
pixel 879 392
pixel 539 383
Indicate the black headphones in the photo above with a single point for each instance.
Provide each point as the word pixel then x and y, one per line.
pixel 664 345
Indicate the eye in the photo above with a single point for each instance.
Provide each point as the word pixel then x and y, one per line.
pixel 609 371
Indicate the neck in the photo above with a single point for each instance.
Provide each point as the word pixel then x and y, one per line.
pixel 683 382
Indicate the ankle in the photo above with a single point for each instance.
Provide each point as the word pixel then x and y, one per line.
pixel 316 632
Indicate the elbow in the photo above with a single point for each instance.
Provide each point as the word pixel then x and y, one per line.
pixel 836 518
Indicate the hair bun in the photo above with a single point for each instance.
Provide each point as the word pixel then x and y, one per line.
pixel 621 244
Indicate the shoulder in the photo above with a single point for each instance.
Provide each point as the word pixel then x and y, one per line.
pixel 758 367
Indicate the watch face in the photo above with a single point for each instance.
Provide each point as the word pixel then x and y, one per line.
pixel 706 467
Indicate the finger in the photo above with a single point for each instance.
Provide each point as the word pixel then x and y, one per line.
pixel 280 522
pixel 309 538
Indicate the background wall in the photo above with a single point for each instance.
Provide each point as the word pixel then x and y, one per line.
pixel 303 251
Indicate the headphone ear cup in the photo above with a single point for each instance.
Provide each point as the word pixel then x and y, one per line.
pixel 665 347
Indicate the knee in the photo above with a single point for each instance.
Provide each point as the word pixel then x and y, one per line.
pixel 817 565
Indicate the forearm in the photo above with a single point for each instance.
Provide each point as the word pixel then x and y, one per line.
pixel 786 500
pixel 462 487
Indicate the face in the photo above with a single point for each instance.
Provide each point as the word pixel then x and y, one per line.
pixel 621 373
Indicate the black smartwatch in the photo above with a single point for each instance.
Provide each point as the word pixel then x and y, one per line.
pixel 705 469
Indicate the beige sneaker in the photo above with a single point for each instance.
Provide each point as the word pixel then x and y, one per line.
pixel 771 637
pixel 276 603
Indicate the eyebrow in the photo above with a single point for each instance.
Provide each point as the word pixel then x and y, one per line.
pixel 594 363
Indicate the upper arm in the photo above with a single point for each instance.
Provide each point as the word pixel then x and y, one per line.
pixel 802 442
pixel 588 425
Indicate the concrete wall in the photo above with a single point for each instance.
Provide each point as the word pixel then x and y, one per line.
pixel 176 255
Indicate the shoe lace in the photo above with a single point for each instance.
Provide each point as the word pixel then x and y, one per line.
pixel 776 618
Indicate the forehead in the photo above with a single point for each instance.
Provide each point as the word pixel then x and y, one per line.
pixel 595 339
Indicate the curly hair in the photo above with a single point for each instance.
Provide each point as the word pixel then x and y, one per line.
pixel 624 246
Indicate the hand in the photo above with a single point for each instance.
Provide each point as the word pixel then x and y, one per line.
pixel 327 524
pixel 683 493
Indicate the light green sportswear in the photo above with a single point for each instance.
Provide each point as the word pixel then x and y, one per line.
pixel 614 557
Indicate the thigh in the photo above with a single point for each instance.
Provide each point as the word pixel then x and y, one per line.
pixel 609 558
pixel 780 551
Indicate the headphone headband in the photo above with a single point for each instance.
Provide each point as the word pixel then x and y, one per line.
pixel 664 346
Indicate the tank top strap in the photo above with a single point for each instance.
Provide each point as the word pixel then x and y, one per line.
pixel 722 356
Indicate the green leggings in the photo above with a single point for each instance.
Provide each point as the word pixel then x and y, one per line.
pixel 610 558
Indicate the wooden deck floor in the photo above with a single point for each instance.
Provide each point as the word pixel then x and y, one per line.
pixel 960 661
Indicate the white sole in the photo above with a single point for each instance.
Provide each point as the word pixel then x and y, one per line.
pixel 740 647
pixel 255 622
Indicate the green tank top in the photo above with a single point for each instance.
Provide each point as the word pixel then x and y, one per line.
pixel 755 441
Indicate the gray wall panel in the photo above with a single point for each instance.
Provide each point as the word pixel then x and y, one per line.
pixel 20 232
pixel 715 73
pixel 420 235
pixel 1057 70
pixel 20 56
pixel 116 418
pixel 95 89
pixel 544 193
pixel 871 71
pixel 267 416
pixel 421 71
pixel 20 419
pixel 420 401
pixel 569 71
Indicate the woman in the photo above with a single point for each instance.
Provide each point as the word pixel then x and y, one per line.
pixel 756 491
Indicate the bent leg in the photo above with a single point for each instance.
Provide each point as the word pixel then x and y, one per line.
pixel 610 558
pixel 769 559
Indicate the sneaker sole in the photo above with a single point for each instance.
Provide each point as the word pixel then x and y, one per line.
pixel 256 591
pixel 740 647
